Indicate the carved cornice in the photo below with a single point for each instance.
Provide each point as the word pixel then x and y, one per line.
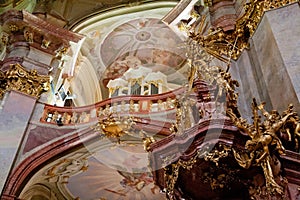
pixel 216 5
pixel 223 14
pixel 25 27
pixel 28 82
pixel 232 43
pixel 23 19
pixel 41 68
pixel 109 6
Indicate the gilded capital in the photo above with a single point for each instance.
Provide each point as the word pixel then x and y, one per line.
pixel 19 79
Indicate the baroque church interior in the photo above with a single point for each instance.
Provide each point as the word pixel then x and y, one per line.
pixel 144 99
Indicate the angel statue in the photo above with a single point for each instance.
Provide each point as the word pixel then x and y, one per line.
pixel 264 142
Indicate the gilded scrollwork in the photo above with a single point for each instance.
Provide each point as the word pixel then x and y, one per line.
pixel 171 168
pixel 3 84
pixel 45 43
pixel 28 35
pixel 214 75
pixel 292 128
pixel 259 191
pixel 215 155
pixel 61 52
pixel 147 141
pixel 13 27
pixel 220 178
pixel 184 118
pixel 4 38
pixel 171 173
pixel 219 43
pixel 28 82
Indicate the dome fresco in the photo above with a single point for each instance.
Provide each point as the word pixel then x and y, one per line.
pixel 144 41
pixel 129 38
pixel 148 34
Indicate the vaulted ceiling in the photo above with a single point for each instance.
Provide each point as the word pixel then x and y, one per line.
pixel 72 11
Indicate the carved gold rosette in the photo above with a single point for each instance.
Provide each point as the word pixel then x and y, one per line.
pixel 19 79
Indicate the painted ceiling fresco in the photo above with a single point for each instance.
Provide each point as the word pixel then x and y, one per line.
pixel 144 41
pixel 119 42
pixel 116 173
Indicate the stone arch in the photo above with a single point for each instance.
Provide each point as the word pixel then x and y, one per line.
pixel 26 169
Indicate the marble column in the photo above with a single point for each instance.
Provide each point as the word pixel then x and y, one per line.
pixel 15 113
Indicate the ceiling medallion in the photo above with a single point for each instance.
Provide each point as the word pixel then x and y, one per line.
pixel 143 36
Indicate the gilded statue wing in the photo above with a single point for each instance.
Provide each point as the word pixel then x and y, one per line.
pixel 243 159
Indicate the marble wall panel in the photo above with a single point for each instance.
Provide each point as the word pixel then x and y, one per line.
pixel 285 26
pixel 247 72
pixel 243 92
pixel 272 66
pixel 38 135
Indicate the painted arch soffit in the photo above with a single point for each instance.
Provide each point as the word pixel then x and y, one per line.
pixel 105 171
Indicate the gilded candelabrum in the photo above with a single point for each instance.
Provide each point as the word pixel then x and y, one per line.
pixel 112 126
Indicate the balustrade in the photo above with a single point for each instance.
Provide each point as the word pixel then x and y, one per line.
pixel 123 105
pixel 139 106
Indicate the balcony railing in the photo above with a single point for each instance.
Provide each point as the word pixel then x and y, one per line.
pixel 160 106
